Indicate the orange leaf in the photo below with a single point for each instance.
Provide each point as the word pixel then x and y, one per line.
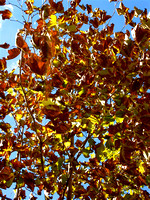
pixel 6 14
pixel 13 53
pixel 5 45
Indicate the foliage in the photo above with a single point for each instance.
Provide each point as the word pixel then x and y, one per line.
pixel 80 103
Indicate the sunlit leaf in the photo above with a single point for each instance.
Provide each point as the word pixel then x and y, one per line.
pixel 119 119
pixel 53 21
pixel 6 14
pixel 18 117
pixel 67 144
pixel 13 53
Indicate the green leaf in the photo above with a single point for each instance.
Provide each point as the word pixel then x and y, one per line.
pixel 99 150
pixel 86 152
pixel 60 162
pixel 64 178
pixel 103 72
pixel 71 28
pixel 10 180
pixel 109 118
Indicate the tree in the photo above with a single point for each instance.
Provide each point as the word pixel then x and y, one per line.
pixel 80 102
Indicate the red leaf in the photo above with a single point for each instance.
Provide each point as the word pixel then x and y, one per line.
pixel 13 53
pixel 6 14
pixel 5 45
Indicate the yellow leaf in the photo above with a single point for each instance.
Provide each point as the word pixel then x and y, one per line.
pixel 53 21
pixel 59 137
pixel 131 192
pixel 92 155
pixel 141 168
pixel 119 119
pixel 93 119
pixel 10 90
pixel 18 117
pixel 67 144
pixel 30 1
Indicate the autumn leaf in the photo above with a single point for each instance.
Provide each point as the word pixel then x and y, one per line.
pixel 5 45
pixel 13 53
pixel 36 64
pixel 139 33
pixel 2 2
pixel 6 14
pixel 2 64
pixel 20 43
pixel 89 8
pixel 74 118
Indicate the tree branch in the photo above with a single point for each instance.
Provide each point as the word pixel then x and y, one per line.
pixel 83 145
pixel 69 193
pixel 5 197
pixel 30 112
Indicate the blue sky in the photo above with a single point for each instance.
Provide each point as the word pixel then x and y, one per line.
pixel 8 30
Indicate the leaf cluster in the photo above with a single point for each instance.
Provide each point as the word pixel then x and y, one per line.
pixel 80 104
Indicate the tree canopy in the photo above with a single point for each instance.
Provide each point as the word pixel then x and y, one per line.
pixel 79 101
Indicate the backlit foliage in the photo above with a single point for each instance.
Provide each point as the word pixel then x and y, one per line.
pixel 80 102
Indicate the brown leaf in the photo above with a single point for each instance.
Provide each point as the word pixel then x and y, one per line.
pixel 89 8
pixel 95 22
pixel 52 112
pixel 29 179
pixel 2 64
pixel 145 120
pixel 2 2
pixel 13 53
pixel 6 14
pixel 37 65
pixel 20 43
pixel 5 45
pixel 59 7
pixel 139 33
pixel 129 17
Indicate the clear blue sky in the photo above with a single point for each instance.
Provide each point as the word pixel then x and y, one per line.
pixel 9 29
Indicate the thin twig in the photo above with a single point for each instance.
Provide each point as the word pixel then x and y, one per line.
pixel 83 145
pixel 69 180
pixel 5 197
pixel 15 20
pixel 69 193
pixel 113 13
